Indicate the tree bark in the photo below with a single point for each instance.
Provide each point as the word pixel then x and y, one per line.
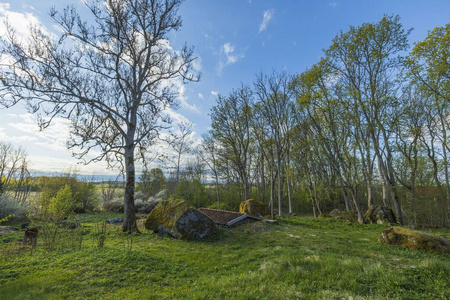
pixel 129 220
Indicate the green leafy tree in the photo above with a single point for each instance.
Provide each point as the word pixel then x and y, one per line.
pixel 429 67
pixel 231 128
pixel 61 205
pixel 365 61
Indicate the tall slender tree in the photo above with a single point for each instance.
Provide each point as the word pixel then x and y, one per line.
pixel 231 127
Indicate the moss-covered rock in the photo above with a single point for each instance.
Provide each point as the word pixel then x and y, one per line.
pixel 380 215
pixel 336 213
pixel 414 240
pixel 180 220
pixel 254 207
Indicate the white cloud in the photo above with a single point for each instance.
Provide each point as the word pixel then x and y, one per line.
pixel 197 64
pixel 228 56
pixel 200 95
pixel 4 7
pixel 228 49
pixel 268 15
pixel 53 137
pixel 26 6
pixel 21 22
pixel 333 4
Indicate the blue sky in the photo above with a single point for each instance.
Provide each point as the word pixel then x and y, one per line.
pixel 234 40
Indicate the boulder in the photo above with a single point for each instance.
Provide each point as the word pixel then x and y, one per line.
pixel 414 240
pixel 254 207
pixel 180 220
pixel 380 215
pixel 336 213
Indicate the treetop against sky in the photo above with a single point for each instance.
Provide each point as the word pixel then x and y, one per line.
pixel 233 40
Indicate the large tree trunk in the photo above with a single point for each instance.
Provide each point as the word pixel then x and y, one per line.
pixel 129 220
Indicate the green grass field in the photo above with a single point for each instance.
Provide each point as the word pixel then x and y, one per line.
pixel 298 258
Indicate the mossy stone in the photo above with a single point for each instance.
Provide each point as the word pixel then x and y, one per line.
pixel 414 240
pixel 180 220
pixel 254 207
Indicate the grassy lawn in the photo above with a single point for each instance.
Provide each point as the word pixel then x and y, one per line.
pixel 297 258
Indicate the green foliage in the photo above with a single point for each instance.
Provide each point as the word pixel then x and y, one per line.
pixel 61 206
pixel 428 62
pixel 84 193
pixel 193 192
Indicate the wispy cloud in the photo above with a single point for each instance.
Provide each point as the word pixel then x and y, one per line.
pixel 333 4
pixel 228 49
pixel 197 64
pixel 229 56
pixel 268 15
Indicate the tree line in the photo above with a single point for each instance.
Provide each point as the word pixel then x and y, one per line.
pixel 366 125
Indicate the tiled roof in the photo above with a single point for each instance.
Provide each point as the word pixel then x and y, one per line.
pixel 224 217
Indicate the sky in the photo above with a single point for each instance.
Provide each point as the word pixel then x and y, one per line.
pixel 233 40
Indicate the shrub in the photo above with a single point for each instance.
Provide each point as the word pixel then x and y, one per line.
pixel 9 207
pixel 145 207
pixel 194 192
pixel 55 206
pixel 115 205
pixel 62 205
pixel 349 215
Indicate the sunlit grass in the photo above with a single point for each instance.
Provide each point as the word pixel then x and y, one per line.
pixel 297 258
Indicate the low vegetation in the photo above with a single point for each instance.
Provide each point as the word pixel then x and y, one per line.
pixel 319 258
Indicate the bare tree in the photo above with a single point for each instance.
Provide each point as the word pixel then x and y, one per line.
pixel 276 108
pixel 208 152
pixel 112 78
pixel 14 173
pixel 231 127
pixel 181 143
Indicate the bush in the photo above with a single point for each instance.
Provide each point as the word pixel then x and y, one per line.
pixel 84 193
pixel 145 207
pixel 61 206
pixel 115 205
pixel 9 207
